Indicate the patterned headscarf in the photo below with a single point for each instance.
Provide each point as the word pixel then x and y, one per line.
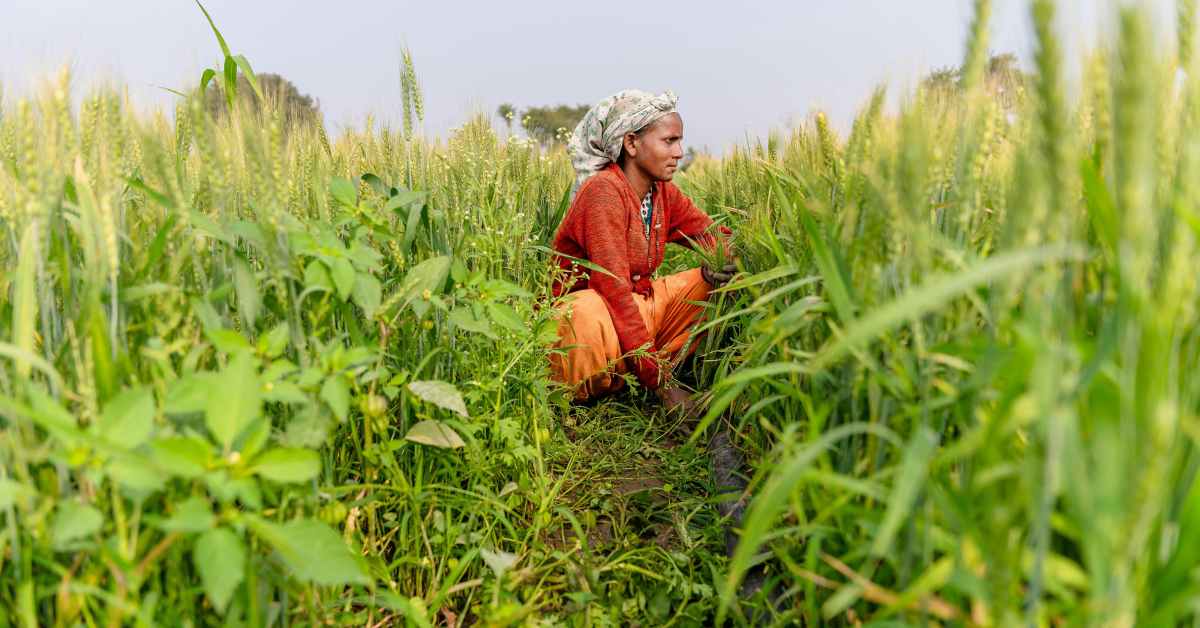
pixel 598 138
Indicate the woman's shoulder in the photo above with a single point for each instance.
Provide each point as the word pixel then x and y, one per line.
pixel 606 181
pixel 602 187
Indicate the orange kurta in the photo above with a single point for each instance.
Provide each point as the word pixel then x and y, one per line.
pixel 591 360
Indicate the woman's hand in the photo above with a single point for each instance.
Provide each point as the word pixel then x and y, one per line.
pixel 718 278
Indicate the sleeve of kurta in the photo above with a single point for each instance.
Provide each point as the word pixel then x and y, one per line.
pixel 603 234
pixel 689 225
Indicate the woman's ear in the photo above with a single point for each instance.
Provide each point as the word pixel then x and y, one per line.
pixel 630 144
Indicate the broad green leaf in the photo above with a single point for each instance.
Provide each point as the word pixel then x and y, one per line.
pixel 366 259
pixel 288 465
pixel 499 289
pixel 375 183
pixel 273 343
pixel 220 557
pixel 283 392
pixel 342 272
pixel 246 490
pixel 463 317
pixel 48 413
pixel 458 271
pixel 429 275
pixel 237 401
pixel 181 456
pixel 312 550
pixel 336 392
pixel 308 428
pixel 255 437
pixel 191 515
pixel 279 369
pixel 404 198
pixel 13 493
pixel 343 192
pixel 367 294
pixel 189 394
pixel 136 475
pixel 316 277
pixel 128 418
pixel 246 285
pixel 227 340
pixel 441 394
pixel 503 315
pixel 74 521
pixel 434 434
pixel 499 561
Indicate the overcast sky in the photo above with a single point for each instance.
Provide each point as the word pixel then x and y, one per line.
pixel 739 69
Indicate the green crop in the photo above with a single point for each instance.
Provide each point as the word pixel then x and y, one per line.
pixel 250 373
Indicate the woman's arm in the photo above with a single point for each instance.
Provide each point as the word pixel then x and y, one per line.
pixel 689 225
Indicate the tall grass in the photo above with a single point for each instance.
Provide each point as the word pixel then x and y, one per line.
pixel 251 373
pixel 984 411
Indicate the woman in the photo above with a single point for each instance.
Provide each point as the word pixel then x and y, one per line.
pixel 625 209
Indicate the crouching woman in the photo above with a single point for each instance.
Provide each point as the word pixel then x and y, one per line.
pixel 625 210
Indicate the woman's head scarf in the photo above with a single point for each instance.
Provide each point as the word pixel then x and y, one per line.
pixel 598 138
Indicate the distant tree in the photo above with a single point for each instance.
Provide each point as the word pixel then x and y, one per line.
pixel 549 125
pixel 1005 79
pixel 1002 78
pixel 280 92
pixel 507 112
pixel 689 158
pixel 941 79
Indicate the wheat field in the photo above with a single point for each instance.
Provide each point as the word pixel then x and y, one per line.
pixel 254 374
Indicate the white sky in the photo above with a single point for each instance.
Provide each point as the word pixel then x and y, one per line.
pixel 739 69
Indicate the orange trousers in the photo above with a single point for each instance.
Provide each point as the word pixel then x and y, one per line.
pixel 592 363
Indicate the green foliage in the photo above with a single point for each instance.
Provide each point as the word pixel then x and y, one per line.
pixel 250 381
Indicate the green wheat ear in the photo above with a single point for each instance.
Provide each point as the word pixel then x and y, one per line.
pixel 1133 123
pixel 1185 32
pixel 977 46
pixel 412 101
pixel 1051 111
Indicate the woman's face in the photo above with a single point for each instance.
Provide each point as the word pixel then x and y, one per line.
pixel 658 149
